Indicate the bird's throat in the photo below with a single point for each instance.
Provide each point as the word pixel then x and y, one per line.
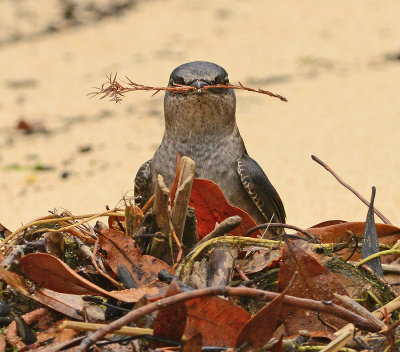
pixel 199 117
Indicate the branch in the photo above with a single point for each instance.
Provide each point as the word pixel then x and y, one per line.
pixel 116 91
pixel 285 226
pixel 228 291
pixel 358 195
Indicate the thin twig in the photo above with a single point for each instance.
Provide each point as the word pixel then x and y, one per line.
pixel 148 204
pixel 101 272
pixel 242 275
pixel 389 333
pixel 222 229
pixel 55 219
pixel 235 240
pixel 176 239
pixel 116 91
pixel 228 291
pixel 351 189
pixel 377 255
pixel 285 226
pixel 71 226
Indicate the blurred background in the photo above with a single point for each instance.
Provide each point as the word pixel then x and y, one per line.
pixel 337 62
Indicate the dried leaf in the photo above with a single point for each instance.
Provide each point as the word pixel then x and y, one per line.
pixel 261 260
pixel 278 347
pixel 212 207
pixel 261 326
pixel 335 231
pixel 322 335
pixel 50 272
pixel 4 231
pixel 3 343
pixel 314 281
pixel 68 304
pixel 113 222
pixel 122 250
pixel 29 318
pixel 29 127
pixel 370 243
pixel 132 295
pixel 194 344
pixel 216 319
pixel 52 332
pixel 64 303
pixel 170 321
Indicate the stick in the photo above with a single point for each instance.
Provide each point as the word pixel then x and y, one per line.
pixel 227 291
pixel 160 208
pixel 115 91
pixel 223 228
pixel 182 195
pixel 285 226
pixel 351 189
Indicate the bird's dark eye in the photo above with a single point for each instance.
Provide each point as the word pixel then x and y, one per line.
pixel 177 80
pixel 222 80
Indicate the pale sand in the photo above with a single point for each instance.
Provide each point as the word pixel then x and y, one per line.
pixel 327 58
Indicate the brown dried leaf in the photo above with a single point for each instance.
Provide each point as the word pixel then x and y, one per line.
pixel 3 343
pixel 216 319
pixel 314 281
pixel 263 259
pixel 334 231
pixel 278 347
pixel 122 250
pixel 68 304
pixel 50 272
pixel 212 207
pixel 34 316
pixel 170 321
pixel 64 303
pixel 261 326
pixel 29 127
pixel 194 344
pixel 133 295
pixel 4 231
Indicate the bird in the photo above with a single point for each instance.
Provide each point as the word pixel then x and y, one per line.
pixel 201 124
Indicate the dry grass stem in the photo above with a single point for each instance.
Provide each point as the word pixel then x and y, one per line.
pixel 116 91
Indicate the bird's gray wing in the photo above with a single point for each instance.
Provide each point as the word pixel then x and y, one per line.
pixel 143 184
pixel 261 191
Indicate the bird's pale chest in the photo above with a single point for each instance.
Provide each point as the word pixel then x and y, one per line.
pixel 215 158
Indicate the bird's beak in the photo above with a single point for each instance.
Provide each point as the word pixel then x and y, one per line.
pixel 199 84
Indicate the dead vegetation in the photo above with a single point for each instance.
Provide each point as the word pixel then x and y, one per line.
pixel 215 282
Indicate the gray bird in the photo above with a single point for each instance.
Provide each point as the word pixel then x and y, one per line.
pixel 201 124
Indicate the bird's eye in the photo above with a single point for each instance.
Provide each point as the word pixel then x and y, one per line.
pixel 178 80
pixel 222 80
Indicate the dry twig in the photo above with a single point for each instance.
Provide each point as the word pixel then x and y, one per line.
pixel 227 291
pixel 358 195
pixel 116 91
pixel 285 226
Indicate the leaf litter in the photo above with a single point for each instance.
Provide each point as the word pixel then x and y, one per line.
pixel 282 292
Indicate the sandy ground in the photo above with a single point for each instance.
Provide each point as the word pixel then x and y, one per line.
pixel 328 58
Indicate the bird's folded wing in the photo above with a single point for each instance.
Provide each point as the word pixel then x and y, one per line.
pixel 261 191
pixel 142 184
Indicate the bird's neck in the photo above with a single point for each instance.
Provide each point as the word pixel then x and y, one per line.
pixel 199 118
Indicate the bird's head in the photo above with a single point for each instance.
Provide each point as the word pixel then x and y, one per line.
pixel 205 110
pixel 198 74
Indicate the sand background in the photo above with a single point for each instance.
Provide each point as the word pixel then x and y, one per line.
pixel 335 61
